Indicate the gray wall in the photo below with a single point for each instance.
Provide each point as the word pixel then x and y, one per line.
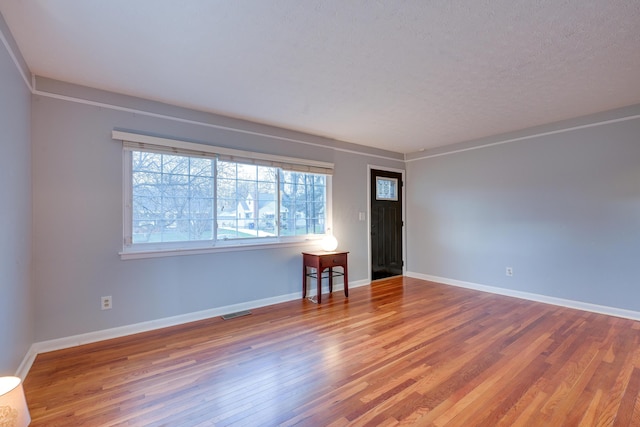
pixel 563 210
pixel 16 325
pixel 77 184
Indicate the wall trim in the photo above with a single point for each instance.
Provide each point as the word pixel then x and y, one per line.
pixel 578 305
pixel 136 328
pixel 28 80
pixel 525 137
pixel 36 91
pixel 26 363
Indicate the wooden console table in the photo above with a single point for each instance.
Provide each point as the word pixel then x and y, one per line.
pixel 320 261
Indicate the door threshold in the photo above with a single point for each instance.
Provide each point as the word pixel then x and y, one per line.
pixel 385 278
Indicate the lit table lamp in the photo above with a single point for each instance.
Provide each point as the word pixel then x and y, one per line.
pixel 329 243
pixel 13 405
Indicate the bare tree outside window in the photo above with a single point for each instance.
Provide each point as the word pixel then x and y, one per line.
pixel 303 203
pixel 172 198
pixel 181 198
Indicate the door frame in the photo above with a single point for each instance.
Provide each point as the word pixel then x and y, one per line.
pixel 402 172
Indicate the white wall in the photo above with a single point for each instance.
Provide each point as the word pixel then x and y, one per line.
pixel 77 184
pixel 16 324
pixel 562 209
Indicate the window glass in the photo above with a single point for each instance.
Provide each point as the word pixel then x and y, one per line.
pixel 302 203
pixel 180 198
pixel 247 200
pixel 386 188
pixel 172 198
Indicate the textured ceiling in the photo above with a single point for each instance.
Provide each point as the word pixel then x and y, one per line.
pixel 399 75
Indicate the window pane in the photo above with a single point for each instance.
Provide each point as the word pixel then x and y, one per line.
pixel 267 174
pixel 147 184
pixel 386 188
pixel 226 169
pixel 247 201
pixel 249 172
pixel 147 162
pixel 301 203
pixel 201 167
pixel 201 187
pixel 172 198
pixel 174 164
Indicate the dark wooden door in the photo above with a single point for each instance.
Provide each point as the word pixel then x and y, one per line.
pixel 386 224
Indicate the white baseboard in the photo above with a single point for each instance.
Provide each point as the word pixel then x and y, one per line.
pixel 27 361
pixel 121 331
pixel 579 305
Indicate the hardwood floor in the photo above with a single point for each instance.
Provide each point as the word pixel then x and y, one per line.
pixel 401 352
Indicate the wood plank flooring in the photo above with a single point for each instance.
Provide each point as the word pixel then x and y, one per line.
pixel 400 352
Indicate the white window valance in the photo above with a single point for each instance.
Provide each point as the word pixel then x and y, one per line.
pixel 141 142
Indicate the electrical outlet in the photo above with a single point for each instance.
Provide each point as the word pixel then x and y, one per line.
pixel 509 271
pixel 106 303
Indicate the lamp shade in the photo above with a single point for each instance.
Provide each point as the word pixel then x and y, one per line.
pixel 329 243
pixel 13 405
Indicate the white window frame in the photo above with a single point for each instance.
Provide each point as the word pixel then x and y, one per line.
pixel 152 250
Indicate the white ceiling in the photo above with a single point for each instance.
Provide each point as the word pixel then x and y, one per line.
pixel 400 75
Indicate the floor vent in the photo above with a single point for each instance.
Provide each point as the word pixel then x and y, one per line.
pixel 236 314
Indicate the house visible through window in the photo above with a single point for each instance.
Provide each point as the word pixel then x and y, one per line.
pixel 201 200
pixel 247 200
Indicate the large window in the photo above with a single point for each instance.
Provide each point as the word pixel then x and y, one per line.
pixel 181 199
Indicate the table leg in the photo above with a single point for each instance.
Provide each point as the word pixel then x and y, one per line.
pixel 330 279
pixel 319 281
pixel 346 281
pixel 304 280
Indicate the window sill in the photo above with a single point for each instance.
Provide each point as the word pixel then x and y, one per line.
pixel 141 253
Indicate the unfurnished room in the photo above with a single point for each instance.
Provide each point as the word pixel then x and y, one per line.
pixel 319 213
